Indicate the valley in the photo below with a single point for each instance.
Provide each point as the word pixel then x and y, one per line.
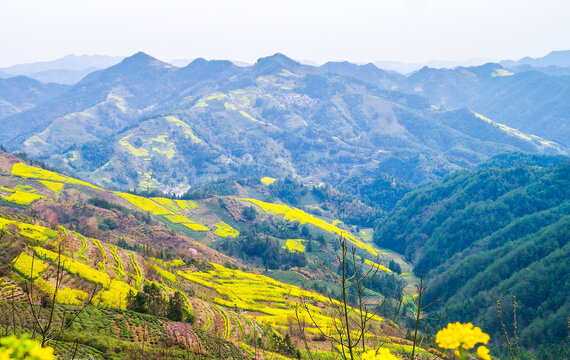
pixel 284 211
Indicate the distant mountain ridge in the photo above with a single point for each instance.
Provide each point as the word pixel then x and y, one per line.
pixel 531 101
pixel 279 117
pixel 554 58
pixel 66 70
pixel 21 93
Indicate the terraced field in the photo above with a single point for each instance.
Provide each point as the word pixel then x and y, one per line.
pixel 227 303
pixel 231 304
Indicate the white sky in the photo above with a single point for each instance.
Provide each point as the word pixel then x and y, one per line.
pixel 319 30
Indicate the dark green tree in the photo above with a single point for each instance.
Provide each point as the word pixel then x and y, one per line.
pixel 177 308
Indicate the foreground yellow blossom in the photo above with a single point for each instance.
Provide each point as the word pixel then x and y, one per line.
pixel 380 354
pixel 461 337
pixel 13 348
pixel 483 353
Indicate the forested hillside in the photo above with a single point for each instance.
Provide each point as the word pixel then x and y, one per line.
pixel 498 231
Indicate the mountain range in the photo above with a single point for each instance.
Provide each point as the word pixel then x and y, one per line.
pixel 211 120
pixel 221 191
pixel 559 58
pixel 66 70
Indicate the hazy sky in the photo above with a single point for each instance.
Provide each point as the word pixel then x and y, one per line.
pixel 319 30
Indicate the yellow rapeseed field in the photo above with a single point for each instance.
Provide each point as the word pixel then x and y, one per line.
pixel 115 296
pixel 22 198
pixel 225 230
pixel 27 171
pixel 264 299
pixel 36 232
pixel 52 185
pixel 75 267
pixel 165 274
pixel 267 180
pixel 65 296
pixel 168 208
pixel 294 214
pixel 380 267
pixel 144 204
pixel 294 245
pixel 28 266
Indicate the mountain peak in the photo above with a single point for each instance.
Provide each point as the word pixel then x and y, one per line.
pixel 277 58
pixel 140 58
pixel 198 62
pixel 274 63
pixel 201 69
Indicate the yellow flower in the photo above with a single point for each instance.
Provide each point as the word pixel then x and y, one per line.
pixel 380 354
pixel 24 348
pixel 42 353
pixel 5 354
pixel 458 335
pixel 483 353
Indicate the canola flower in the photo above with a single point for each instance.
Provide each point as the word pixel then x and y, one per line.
pixel 65 296
pixel 169 204
pixel 166 208
pixel 28 266
pixel 172 263
pixel 13 348
pixel 74 267
pixel 144 204
pixel 225 230
pixel 380 267
pixel 181 219
pixel 81 252
pixel 186 204
pixel 294 214
pixel 269 300
pixel 460 337
pixel 135 266
pixel 267 180
pixel 52 185
pixel 27 171
pixel 165 274
pixel 380 354
pixel 22 198
pixel 36 232
pixel 294 245
pixel 115 296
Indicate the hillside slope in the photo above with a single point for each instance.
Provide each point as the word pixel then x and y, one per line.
pixel 123 248
pixel 530 101
pixel 498 231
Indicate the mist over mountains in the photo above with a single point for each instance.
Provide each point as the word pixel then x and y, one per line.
pixel 66 70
